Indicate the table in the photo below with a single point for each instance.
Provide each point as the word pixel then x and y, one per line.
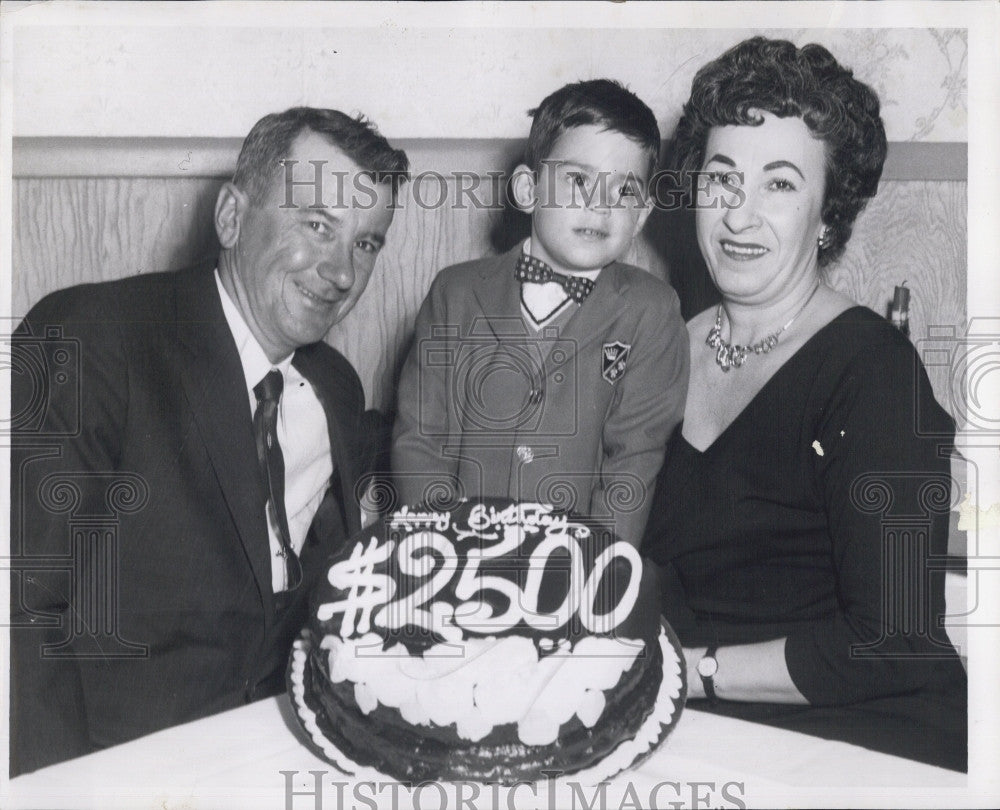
pixel 252 757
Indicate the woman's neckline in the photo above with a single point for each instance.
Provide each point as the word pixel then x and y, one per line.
pixel 782 369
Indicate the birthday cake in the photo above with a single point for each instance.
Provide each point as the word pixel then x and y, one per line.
pixel 499 642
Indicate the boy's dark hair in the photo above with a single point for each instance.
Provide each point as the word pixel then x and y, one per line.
pixel 270 142
pixel 600 102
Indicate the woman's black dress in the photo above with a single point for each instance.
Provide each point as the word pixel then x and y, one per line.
pixel 821 515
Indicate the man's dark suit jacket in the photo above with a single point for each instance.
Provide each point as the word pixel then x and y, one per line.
pixel 141 591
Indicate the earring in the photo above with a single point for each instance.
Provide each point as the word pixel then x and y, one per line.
pixel 823 242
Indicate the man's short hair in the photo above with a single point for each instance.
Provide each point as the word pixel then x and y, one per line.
pixel 270 142
pixel 599 102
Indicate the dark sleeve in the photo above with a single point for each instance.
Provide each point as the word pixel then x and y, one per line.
pixel 423 413
pixel 375 488
pixel 376 430
pixel 649 402
pixel 358 429
pixel 68 405
pixel 886 487
pixel 674 606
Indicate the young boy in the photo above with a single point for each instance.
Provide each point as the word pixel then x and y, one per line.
pixel 561 389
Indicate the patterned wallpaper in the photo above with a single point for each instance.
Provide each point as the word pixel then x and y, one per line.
pixel 919 74
pixel 186 81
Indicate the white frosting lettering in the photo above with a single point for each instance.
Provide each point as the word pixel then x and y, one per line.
pixel 532 517
pixel 430 556
pixel 416 559
pixel 606 622
pixel 405 519
pixel 366 590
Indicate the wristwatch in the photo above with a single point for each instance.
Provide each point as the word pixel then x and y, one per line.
pixel 707 667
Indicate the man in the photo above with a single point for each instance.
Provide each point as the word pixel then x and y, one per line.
pixel 162 555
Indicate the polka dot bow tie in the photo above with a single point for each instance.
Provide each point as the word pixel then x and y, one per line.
pixel 532 270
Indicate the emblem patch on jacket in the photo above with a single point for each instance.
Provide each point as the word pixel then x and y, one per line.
pixel 613 360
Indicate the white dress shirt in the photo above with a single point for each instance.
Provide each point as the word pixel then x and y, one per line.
pixel 302 433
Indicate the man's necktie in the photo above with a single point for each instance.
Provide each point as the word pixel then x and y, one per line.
pixel 535 271
pixel 272 464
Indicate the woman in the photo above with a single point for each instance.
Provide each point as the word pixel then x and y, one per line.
pixel 799 498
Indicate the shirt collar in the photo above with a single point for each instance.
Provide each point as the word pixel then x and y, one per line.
pixel 252 356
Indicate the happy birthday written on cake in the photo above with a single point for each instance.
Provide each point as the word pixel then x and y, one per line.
pixel 368 579
pixel 485 521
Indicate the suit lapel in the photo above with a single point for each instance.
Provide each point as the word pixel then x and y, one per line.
pixel 216 389
pixel 603 306
pixel 338 413
pixel 499 297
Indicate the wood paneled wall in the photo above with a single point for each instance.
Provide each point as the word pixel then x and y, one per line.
pixel 69 230
pixel 75 230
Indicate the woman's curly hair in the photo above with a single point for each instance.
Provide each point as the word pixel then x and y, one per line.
pixel 772 75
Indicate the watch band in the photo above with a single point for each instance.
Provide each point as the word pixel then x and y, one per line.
pixel 708 681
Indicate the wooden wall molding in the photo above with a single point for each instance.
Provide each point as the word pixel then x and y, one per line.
pixel 216 157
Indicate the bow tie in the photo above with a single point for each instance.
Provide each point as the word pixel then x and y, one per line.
pixel 534 271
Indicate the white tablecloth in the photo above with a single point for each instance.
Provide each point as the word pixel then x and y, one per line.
pixel 236 759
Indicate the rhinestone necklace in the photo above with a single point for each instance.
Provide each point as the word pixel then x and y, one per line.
pixel 732 355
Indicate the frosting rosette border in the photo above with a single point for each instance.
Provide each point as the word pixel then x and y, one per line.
pixel 653 732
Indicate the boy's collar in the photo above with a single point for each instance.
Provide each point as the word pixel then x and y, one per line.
pixel 591 274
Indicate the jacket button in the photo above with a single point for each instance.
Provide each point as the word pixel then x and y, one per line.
pixel 526 454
